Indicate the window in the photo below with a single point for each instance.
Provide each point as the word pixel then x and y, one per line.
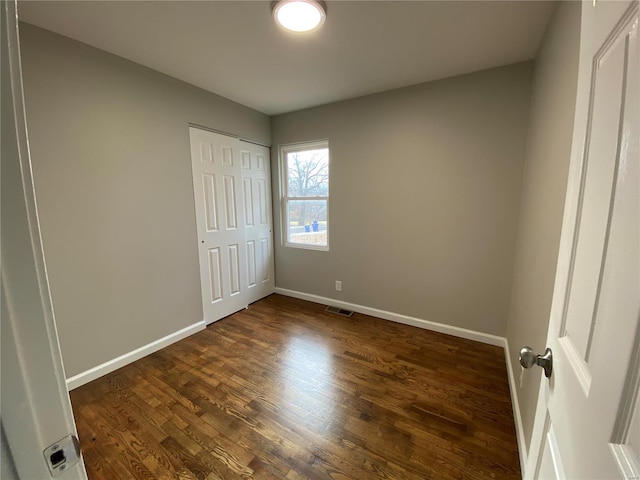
pixel 305 194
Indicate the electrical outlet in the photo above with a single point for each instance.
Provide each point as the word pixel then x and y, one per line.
pixel 338 286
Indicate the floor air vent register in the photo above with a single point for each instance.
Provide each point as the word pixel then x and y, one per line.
pixel 339 311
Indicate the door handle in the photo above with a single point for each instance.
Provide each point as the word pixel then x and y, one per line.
pixel 528 359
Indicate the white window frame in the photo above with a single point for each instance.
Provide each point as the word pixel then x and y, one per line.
pixel 284 195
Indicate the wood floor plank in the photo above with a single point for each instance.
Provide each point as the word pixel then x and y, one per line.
pixel 285 390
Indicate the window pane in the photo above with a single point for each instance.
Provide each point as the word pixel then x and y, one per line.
pixel 308 173
pixel 307 222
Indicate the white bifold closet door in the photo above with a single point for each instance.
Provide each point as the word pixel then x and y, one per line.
pixel 231 184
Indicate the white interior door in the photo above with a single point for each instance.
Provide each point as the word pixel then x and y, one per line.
pixel 587 424
pixel 232 193
pixel 217 187
pixel 256 195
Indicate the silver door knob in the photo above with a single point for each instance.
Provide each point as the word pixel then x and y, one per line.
pixel 528 359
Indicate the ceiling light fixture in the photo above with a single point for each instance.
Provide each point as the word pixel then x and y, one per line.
pixel 299 15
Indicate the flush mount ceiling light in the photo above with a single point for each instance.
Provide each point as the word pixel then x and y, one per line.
pixel 299 15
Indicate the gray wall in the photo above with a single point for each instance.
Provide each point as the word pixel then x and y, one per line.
pixel 543 195
pixel 110 150
pixel 425 187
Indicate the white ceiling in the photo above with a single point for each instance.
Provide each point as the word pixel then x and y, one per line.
pixel 234 49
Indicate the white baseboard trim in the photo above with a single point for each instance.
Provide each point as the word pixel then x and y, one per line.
pixel 108 367
pixel 515 405
pixel 396 317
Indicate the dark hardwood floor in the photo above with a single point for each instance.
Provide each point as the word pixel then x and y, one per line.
pixel 284 390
